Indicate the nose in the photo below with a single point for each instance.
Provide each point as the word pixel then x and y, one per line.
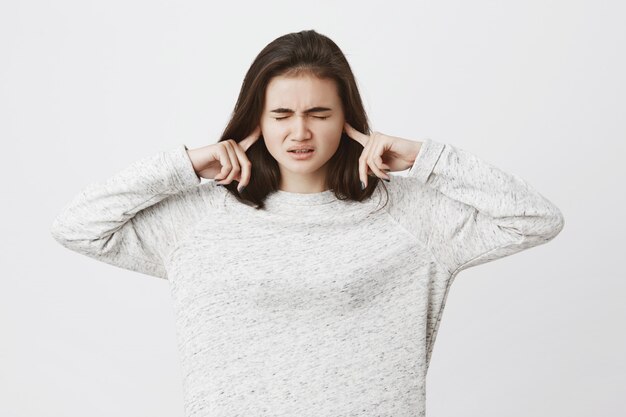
pixel 300 128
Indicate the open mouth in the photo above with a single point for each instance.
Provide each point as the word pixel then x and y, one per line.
pixel 302 154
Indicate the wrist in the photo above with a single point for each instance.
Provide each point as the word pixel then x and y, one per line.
pixel 195 158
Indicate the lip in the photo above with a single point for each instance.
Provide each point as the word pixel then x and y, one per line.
pixel 302 156
pixel 298 148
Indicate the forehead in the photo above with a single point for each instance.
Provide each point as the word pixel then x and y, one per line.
pixel 300 92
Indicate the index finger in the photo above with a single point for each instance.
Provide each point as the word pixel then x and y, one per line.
pixel 251 138
pixel 355 134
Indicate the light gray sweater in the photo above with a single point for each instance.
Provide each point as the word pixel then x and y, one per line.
pixel 317 306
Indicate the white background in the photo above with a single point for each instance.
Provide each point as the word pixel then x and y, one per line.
pixel 535 87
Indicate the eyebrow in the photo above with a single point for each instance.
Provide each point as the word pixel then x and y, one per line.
pixel 311 110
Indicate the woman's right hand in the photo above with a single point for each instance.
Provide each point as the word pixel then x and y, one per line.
pixel 225 161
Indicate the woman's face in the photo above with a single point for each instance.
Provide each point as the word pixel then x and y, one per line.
pixel 302 111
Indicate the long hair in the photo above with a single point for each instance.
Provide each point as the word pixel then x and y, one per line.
pixel 293 54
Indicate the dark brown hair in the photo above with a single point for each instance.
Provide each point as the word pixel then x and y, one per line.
pixel 299 53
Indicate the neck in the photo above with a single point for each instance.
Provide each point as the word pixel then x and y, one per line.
pixel 305 184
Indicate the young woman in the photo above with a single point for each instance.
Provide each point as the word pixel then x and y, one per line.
pixel 296 293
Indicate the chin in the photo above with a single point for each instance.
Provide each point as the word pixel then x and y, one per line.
pixel 301 167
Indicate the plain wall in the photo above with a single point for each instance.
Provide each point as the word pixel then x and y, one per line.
pixel 535 87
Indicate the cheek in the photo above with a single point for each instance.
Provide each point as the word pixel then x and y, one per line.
pixel 336 129
pixel 333 135
pixel 273 141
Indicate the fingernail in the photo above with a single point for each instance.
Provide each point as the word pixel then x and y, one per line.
pixel 386 179
pixel 241 189
pixel 362 186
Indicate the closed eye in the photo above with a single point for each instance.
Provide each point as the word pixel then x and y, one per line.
pixel 317 117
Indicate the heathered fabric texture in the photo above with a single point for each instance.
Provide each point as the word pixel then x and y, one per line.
pixel 317 306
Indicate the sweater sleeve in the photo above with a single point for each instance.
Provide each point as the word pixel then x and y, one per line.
pixel 469 212
pixel 134 219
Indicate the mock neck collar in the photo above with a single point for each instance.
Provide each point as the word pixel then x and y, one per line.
pixel 287 198
pixel 305 206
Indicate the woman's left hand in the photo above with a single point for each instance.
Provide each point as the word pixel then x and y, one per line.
pixel 383 153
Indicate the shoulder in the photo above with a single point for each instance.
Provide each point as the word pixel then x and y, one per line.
pixel 197 201
pixel 212 194
pixel 402 188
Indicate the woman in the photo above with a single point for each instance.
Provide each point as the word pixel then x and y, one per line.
pixel 295 294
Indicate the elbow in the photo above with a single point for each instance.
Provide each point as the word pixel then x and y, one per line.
pixel 556 223
pixel 57 231
pixel 536 229
pixel 71 235
pixel 65 236
pixel 546 227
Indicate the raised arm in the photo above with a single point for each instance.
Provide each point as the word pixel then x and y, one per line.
pixel 469 212
pixel 135 218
